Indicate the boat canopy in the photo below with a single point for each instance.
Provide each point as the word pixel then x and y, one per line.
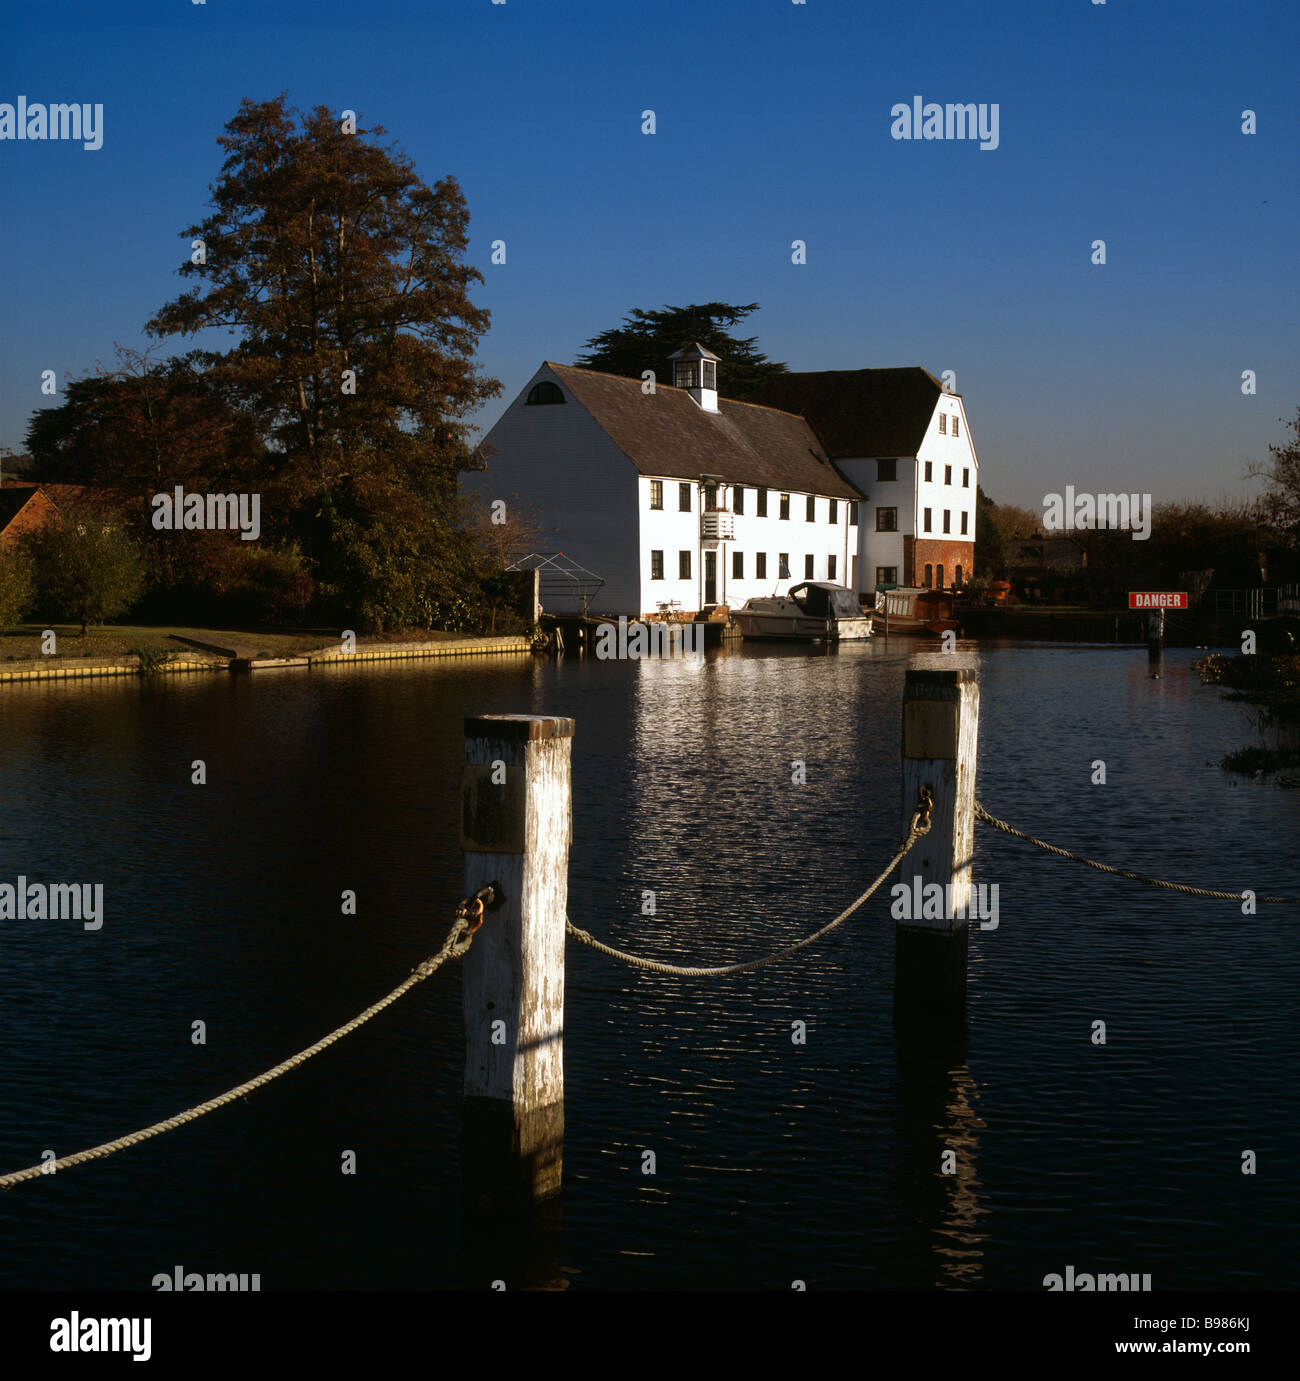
pixel 820 600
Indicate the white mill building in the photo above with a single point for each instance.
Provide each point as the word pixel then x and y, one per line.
pixel 680 499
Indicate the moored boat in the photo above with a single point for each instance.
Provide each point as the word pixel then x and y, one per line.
pixel 912 609
pixel 816 611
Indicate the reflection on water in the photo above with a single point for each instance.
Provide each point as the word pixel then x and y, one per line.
pixel 721 810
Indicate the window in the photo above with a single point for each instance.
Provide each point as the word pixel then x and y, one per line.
pixel 683 565
pixel 738 498
pixel 947 520
pixel 762 502
pixel 929 575
pixel 835 510
pixel 927 521
pixel 656 493
pixel 710 496
pixel 886 575
pixel 943 424
pixel 785 505
pixel 938 577
pixel 886 520
pixel 964 516
pixel 656 565
pixel 545 392
pixel 737 565
pixel 760 564
pixel 853 513
pixel 783 566
pixel 709 374
pixel 957 577
pixel 830 568
pixel 965 478
pixel 808 568
pixel 684 498
pixel 684 374
pixel 811 515
pixel 955 424
pixel 947 474
pixel 929 471
pixel 887 469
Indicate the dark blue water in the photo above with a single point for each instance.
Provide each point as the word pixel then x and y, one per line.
pixel 774 1161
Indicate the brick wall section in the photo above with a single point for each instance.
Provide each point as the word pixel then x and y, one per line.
pixel 945 552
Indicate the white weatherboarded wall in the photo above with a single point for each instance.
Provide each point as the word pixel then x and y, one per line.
pixel 881 548
pixel 943 450
pixel 559 463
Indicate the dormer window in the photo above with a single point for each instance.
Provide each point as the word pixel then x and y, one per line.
pixel 695 370
pixel 545 392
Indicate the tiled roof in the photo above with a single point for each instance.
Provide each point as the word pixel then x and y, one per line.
pixel 668 434
pixel 13 499
pixel 860 412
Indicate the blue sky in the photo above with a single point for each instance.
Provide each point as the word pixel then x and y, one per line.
pixel 1119 122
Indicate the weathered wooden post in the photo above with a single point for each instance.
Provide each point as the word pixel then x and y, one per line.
pixel 940 738
pixel 1155 636
pixel 516 825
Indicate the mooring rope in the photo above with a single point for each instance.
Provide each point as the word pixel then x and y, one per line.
pixel 982 814
pixel 452 948
pixel 920 825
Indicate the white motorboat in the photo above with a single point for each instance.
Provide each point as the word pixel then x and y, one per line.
pixel 816 611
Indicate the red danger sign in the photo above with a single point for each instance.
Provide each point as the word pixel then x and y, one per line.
pixel 1175 599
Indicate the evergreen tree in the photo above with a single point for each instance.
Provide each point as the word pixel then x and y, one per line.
pixel 645 340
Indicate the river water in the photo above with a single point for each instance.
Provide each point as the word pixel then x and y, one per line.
pixel 774 1161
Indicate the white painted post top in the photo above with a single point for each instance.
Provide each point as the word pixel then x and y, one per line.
pixel 521 727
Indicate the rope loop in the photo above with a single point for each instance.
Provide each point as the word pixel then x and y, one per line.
pixel 459 938
pixel 920 824
pixel 982 814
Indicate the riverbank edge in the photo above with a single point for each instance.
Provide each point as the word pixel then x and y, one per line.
pixel 200 656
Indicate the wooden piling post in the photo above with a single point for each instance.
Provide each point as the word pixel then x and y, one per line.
pixel 940 739
pixel 1155 635
pixel 516 826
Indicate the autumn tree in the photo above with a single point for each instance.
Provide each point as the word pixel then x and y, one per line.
pixel 1282 480
pixel 990 551
pixel 343 276
pixel 145 425
pixel 645 340
pixel 87 566
pixel 15 586
pixel 1014 521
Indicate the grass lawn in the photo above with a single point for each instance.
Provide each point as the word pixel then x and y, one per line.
pixel 24 641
